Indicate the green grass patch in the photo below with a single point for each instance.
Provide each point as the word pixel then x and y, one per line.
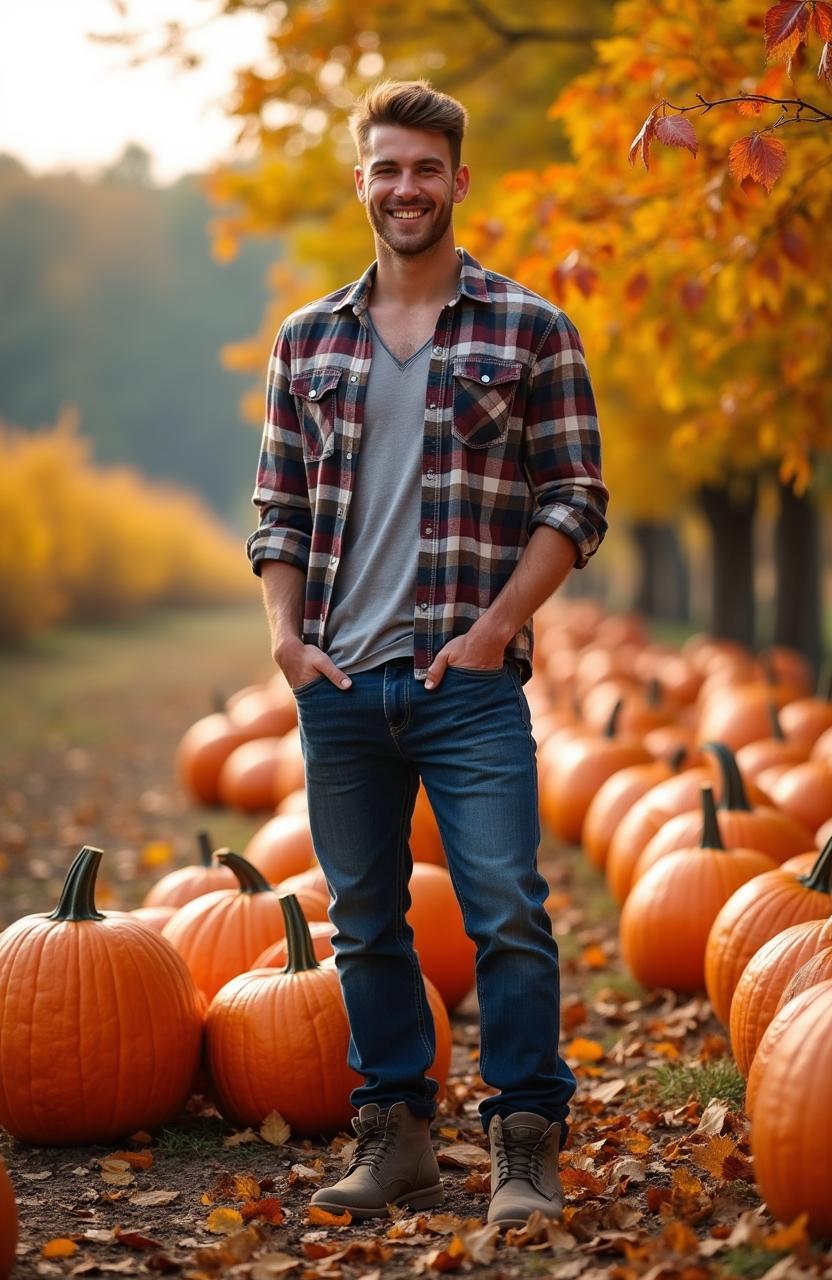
pixel 207 1140
pixel 675 1082
pixel 621 984
pixel 749 1260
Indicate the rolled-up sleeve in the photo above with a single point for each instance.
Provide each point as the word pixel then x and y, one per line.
pixel 563 443
pixel 280 494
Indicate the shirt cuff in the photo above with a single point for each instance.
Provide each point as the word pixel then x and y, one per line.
pixel 286 545
pixel 575 525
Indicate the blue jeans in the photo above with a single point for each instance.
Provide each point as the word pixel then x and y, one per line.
pixel 470 740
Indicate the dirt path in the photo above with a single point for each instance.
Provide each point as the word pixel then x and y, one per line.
pixel 657 1170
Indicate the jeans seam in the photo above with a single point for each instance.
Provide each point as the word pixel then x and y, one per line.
pixel 400 919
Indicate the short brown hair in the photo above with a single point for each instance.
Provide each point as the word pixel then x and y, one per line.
pixel 413 104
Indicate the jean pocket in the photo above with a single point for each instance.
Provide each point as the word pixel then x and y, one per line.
pixel 484 391
pixel 316 397
pixel 478 671
pixel 309 685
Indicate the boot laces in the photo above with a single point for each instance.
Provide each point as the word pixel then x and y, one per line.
pixel 519 1156
pixel 372 1143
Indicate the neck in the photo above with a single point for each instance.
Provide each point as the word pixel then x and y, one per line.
pixel 422 278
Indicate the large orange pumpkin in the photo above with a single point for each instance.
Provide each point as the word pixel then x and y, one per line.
pixel 282 847
pixel 101 1024
pixel 279 1041
pixel 754 914
pixel 816 969
pixel 187 883
pixel 277 955
pixel 260 713
pixel 446 953
pixel 425 840
pixel 669 912
pixel 787 1010
pixel 220 934
pixel 791 1135
pixel 8 1224
pixel 247 779
pixel 612 800
pixel 763 981
pixel 203 751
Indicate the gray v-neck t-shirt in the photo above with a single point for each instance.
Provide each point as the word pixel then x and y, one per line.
pixel 371 614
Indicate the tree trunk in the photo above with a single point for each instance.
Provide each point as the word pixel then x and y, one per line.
pixel 797 608
pixel 664 582
pixel 730 514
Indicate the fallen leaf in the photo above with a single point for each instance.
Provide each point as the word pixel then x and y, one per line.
pixel 593 957
pixel 60 1247
pixel 608 1090
pixel 275 1130
pixel 307 1173
pixel 237 1139
pixel 713 1118
pixel 788 1237
pixel 135 1159
pixel 153 1199
pixel 582 1050
pixel 712 1157
pixel 116 1172
pixel 448 1259
pixel 37 1177
pixel 478 1184
pixel 245 1187
pixel 222 1222
pixel 481 1243
pixel 463 1155
pixel 135 1240
pixel 269 1265
pixel 270 1209
pixel 679 1237
pixel 322 1218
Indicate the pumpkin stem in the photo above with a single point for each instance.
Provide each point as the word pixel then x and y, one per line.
pixel 711 837
pixel 251 880
pixel 653 693
pixel 733 791
pixel 776 726
pixel 298 938
pixel 206 851
pixel 677 757
pixel 77 900
pixel 218 700
pixel 820 877
pixel 611 728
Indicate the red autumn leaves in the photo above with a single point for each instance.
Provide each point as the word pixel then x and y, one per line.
pixel 759 157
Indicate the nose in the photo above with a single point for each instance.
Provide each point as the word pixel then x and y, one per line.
pixel 406 185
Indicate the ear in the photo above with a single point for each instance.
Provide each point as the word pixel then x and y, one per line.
pixel 359 182
pixel 462 182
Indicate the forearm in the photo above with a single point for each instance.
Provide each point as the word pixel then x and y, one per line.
pixel 283 594
pixel 544 565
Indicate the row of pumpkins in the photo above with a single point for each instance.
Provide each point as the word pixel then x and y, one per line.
pixel 700 782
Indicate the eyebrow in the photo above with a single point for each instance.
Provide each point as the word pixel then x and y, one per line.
pixel 379 164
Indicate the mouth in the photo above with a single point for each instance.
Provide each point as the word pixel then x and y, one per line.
pixel 407 215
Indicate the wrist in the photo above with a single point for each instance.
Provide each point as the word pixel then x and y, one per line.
pixel 493 629
pixel 287 648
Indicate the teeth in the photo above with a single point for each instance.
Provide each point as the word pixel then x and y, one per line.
pixel 407 213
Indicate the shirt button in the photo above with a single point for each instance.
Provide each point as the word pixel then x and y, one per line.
pixel 437 350
pixel 313 393
pixel 423 605
pixel 340 511
pixel 349 453
pixel 432 404
pixel 353 377
pixel 430 475
pixel 429 529
pixel 333 559
pixel 485 378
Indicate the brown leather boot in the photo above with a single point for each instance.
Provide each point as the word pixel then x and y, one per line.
pixel 524 1169
pixel 393 1163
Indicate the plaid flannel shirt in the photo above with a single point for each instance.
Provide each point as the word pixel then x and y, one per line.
pixel 510 442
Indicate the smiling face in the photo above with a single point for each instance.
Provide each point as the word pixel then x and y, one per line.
pixel 409 188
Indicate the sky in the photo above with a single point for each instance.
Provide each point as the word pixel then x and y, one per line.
pixel 66 102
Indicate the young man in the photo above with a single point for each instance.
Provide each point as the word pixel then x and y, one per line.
pixel 429 475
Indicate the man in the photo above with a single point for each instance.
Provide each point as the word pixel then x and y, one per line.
pixel 429 475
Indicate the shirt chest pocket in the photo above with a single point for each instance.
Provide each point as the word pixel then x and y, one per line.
pixel 484 392
pixel 316 398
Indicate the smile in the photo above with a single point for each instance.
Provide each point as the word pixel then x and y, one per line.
pixel 407 214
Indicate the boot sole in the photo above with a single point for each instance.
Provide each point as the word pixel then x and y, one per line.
pixel 426 1198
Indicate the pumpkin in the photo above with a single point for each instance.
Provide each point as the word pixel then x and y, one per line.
pixel 260 713
pixel 805 791
pixel 754 757
pixel 612 800
pixel 676 795
pixel 739 714
pixel 187 883
pixel 791 1135
pixel 757 912
pixel 312 880
pixel 8 1224
pixel 642 710
pixel 296 802
pixel 202 752
pixel 666 919
pixel 101 1025
pixel 153 917
pixel 221 933
pixel 247 778
pixel 575 770
pixel 787 1010
pixel 277 955
pixel 816 969
pixel 763 981
pixel 279 1041
pixel 425 840
pixel 740 825
pixel 289 774
pixel 282 847
pixel 446 953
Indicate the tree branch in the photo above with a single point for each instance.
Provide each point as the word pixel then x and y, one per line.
pixel 704 105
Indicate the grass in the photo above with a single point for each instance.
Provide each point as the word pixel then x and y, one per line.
pixel 205 1141
pixel 675 1082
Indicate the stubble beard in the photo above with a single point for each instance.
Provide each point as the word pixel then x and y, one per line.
pixel 410 247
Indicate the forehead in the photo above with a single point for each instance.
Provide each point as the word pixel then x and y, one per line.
pixel 404 146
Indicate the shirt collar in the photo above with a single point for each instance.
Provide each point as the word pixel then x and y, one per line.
pixel 473 282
